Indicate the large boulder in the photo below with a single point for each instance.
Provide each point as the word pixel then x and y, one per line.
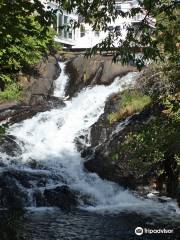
pixel 21 188
pixel 61 197
pixel 111 159
pixel 98 69
pixel 37 83
pixel 38 80
pixel 103 157
pixel 9 146
pixel 38 103
pixel 12 195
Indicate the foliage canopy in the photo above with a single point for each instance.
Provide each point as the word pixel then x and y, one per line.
pixel 157 42
pixel 25 36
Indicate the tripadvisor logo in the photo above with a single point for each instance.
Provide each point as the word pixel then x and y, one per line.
pixel 140 231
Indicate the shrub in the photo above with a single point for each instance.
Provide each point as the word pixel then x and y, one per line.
pixel 132 101
pixel 161 79
pixel 156 142
pixel 25 37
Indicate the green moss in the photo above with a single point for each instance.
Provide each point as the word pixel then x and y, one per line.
pixel 132 101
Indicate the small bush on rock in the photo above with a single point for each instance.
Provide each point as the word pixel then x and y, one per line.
pixel 132 101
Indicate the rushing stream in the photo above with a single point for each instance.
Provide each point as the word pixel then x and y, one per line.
pixel 49 138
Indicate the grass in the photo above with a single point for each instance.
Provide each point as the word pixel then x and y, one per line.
pixel 11 92
pixel 132 101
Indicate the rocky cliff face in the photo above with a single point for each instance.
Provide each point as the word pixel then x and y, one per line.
pixel 37 84
pixel 106 157
pixel 106 139
pixel 98 69
pixel 38 81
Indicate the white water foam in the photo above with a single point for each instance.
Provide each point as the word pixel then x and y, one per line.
pixel 49 138
pixel 60 83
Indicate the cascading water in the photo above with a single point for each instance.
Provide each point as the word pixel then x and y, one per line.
pixel 49 139
pixel 60 83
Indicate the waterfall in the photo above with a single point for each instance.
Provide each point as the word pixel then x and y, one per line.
pixel 49 139
pixel 60 83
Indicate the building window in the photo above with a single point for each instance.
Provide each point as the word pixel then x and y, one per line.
pixel 82 30
pixel 118 31
pixel 65 27
pixel 70 29
pixel 60 24
pixel 55 23
pixel 70 33
pixel 118 7
pixel 111 29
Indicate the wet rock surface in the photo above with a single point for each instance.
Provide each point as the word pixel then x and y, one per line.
pixel 37 83
pixel 61 197
pixel 96 70
pixel 22 188
pixel 25 188
pixel 39 79
pixel 106 139
pixel 105 157
pixel 9 146
pixel 12 195
pixel 39 103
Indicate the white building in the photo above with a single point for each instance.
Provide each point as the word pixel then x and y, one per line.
pixel 62 21
pixel 89 38
pixel 84 37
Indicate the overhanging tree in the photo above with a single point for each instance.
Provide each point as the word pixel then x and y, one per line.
pixel 25 36
pixel 155 43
